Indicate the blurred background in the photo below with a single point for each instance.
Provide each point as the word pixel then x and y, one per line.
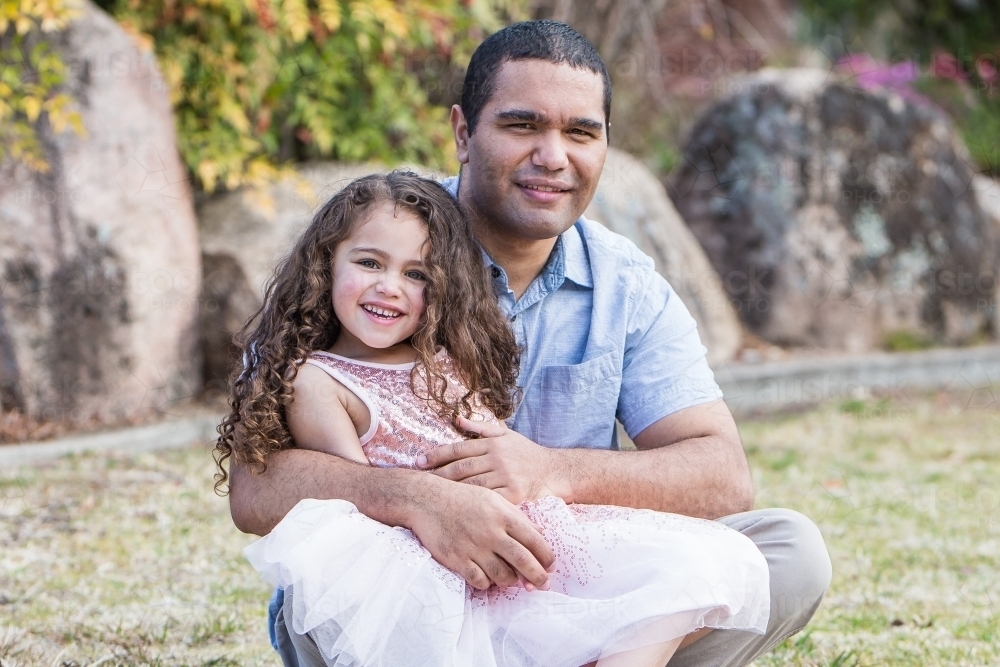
pixel 816 178
pixel 812 177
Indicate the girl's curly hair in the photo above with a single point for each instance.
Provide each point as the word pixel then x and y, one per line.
pixel 297 318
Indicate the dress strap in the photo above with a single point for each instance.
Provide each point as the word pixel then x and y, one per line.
pixel 374 414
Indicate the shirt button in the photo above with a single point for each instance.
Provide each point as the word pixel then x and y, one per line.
pixel 513 318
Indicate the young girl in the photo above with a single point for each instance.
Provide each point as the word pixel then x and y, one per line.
pixel 384 311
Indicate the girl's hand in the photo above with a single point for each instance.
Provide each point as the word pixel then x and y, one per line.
pixel 500 459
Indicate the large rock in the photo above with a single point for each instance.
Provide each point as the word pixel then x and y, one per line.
pixel 838 217
pixel 99 257
pixel 632 202
pixel 988 195
pixel 244 234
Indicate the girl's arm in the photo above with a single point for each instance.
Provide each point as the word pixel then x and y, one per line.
pixel 322 415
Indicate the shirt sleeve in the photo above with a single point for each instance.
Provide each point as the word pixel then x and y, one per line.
pixel 665 369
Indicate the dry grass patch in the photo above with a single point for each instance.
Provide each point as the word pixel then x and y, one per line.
pixel 906 493
pixel 133 561
pixel 125 561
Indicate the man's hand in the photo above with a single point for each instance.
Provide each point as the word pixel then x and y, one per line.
pixel 472 531
pixel 690 462
pixel 486 539
pixel 500 459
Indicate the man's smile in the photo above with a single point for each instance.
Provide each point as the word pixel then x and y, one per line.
pixel 543 188
pixel 543 191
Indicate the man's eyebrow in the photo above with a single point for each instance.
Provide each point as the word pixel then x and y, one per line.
pixel 586 124
pixel 523 115
pixel 528 116
pixel 371 251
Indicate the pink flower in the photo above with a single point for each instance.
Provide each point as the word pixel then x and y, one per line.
pixel 946 66
pixel 869 73
pixel 986 68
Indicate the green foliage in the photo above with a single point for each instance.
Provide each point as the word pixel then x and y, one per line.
pixel 905 341
pixel 854 406
pixel 30 77
pixel 927 31
pixel 981 130
pixel 964 29
pixel 667 157
pixel 976 111
pixel 257 84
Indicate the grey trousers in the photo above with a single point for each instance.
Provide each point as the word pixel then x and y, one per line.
pixel 800 574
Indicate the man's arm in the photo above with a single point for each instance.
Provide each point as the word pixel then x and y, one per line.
pixel 469 530
pixel 258 502
pixel 691 462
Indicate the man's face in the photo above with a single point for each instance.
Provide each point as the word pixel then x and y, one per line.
pixel 532 165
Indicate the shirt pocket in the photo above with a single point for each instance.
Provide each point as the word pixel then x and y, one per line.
pixel 577 403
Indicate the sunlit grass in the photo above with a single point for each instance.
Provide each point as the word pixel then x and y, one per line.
pixel 133 561
pixel 125 561
pixel 906 493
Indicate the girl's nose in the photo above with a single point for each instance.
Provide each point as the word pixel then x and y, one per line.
pixel 387 285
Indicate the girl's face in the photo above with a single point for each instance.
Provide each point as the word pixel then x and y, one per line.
pixel 378 283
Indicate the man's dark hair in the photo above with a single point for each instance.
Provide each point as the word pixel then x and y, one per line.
pixel 546 40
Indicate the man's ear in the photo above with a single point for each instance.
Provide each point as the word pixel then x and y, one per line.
pixel 460 129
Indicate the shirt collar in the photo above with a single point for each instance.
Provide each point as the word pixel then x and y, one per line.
pixel 576 260
pixel 568 260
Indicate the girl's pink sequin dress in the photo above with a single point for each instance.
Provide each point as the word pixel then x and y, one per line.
pixel 371 595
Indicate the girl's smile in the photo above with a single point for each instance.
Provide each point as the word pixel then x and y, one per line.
pixel 378 286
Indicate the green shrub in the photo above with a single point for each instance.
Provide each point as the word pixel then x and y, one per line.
pixel 914 29
pixel 30 76
pixel 257 84
pixel 981 130
pixel 905 341
pixel 925 31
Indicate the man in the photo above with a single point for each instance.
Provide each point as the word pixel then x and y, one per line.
pixel 605 337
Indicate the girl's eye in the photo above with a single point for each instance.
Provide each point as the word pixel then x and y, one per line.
pixel 415 275
pixel 368 263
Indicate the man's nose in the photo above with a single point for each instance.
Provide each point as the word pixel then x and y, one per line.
pixel 550 151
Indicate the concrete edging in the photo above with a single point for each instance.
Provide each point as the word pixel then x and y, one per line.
pixel 748 388
pixel 772 386
pixel 165 435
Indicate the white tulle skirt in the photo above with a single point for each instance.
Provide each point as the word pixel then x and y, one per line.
pixel 371 595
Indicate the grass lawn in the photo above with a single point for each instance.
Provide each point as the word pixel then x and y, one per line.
pixel 133 561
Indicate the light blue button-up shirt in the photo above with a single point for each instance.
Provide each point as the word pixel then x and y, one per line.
pixel 604 337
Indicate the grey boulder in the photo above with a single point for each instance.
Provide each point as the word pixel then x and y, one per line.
pixel 99 262
pixel 838 217
pixel 632 202
pixel 244 234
